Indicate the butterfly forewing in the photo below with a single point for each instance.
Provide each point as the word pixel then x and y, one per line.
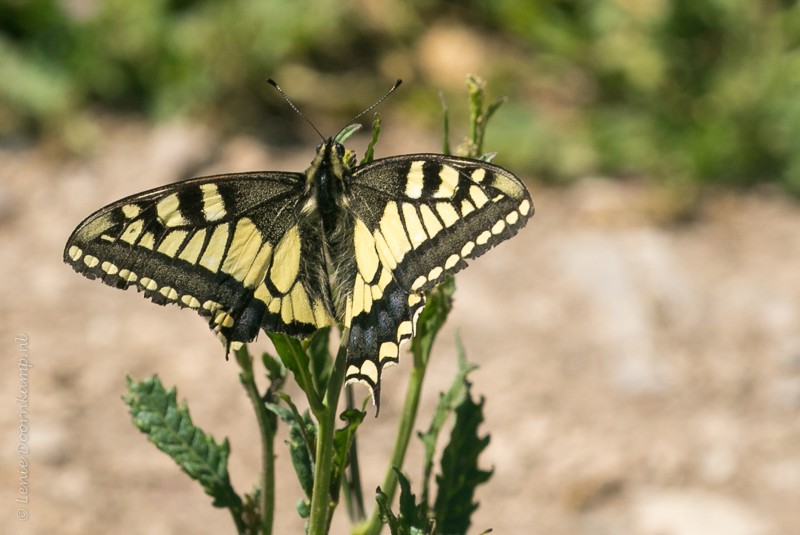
pixel 231 247
pixel 428 213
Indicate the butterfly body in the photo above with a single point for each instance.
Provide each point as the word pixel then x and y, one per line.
pixel 355 246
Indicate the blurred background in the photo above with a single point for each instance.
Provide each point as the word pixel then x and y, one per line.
pixel 639 342
pixel 680 90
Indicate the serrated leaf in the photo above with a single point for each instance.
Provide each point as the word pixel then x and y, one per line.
pixel 460 474
pixel 411 513
pixel 302 441
pixel 385 513
pixel 302 437
pixel 292 416
pixel 412 519
pixel 169 427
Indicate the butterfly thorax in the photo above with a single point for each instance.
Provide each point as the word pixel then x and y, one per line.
pixel 327 200
pixel 325 182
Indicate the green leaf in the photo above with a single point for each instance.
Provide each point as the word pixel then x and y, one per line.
pixel 369 154
pixel 431 320
pixel 412 519
pixel 276 371
pixel 295 358
pixel 342 440
pixel 411 513
pixel 385 513
pixel 320 359
pixel 460 474
pixel 343 436
pixel 346 132
pixel 299 453
pixel 447 403
pixel 302 440
pixel 167 424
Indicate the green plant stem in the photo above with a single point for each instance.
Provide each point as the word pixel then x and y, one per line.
pixel 238 520
pixel 267 496
pixel 475 87
pixel 404 432
pixel 267 425
pixel 321 506
pixel 353 495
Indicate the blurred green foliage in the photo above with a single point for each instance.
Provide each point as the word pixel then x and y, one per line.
pixel 677 90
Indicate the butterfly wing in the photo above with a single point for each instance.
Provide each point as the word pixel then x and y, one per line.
pixel 232 247
pixel 418 219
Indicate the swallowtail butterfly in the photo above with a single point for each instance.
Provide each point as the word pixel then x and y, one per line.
pixel 288 252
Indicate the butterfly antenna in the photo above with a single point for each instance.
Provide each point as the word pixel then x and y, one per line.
pixel 274 84
pixel 354 119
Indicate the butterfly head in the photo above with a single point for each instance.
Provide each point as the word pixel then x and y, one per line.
pixel 332 161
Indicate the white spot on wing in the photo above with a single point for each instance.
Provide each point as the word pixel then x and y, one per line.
pixel 213 204
pixel 415 180
pixel 449 182
pixel 109 268
pixel 169 213
pixel 478 174
pixel 75 253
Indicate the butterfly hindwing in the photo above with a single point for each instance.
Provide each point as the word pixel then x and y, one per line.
pixel 380 316
pixel 231 247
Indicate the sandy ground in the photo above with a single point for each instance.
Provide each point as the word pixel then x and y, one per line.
pixel 641 378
